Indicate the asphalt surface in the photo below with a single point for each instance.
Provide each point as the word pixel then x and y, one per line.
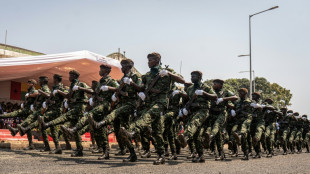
pixel 20 161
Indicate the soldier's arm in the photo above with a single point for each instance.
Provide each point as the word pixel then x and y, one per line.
pixel 209 93
pixel 63 93
pixel 45 94
pixel 176 78
pixel 230 97
pixel 87 90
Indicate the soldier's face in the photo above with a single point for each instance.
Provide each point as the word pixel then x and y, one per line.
pixel 153 61
pixel 195 78
pixel 217 86
pixel 242 94
pixel 125 68
pixel 254 97
pixel 71 77
pixel 30 85
pixel 94 86
pixel 41 82
pixel 104 72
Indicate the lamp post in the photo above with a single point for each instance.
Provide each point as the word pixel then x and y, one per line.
pixel 253 78
pixel 250 45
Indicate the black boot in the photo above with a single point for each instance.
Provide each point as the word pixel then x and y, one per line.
pixel 146 154
pixel 98 150
pixel 30 147
pixel 246 156
pixel 125 134
pixel 132 157
pixel 68 131
pixel 199 159
pixel 57 150
pixel 160 160
pixel 105 155
pixel 221 156
pixel 122 152
pixel 13 131
pixel 173 155
pixel 68 146
pixel 257 155
pixel 77 153
pixel 46 147
pixel 269 154
pixel 166 150
pixel 22 130
pixel 192 155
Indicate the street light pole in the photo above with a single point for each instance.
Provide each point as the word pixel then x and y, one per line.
pixel 250 44
pixel 253 78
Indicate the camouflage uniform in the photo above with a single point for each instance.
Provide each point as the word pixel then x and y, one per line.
pixel 306 134
pixel 217 119
pixel 299 138
pixel 270 124
pixel 257 127
pixel 284 131
pixel 77 106
pixel 243 122
pixel 293 131
pixel 199 112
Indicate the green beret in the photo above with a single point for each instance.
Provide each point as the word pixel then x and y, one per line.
pixel 218 81
pixel 127 61
pixel 105 66
pixel 296 114
pixel 256 93
pixel 304 116
pixel 244 90
pixel 43 78
pixel 290 111
pixel 268 99
pixel 197 72
pixel 74 72
pixel 154 55
pixel 32 81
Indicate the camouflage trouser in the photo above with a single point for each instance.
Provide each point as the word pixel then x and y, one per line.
pixel 243 128
pixel 72 116
pixel 215 127
pixel 270 136
pixel 194 129
pixel 283 138
pixel 120 117
pixel 20 113
pixel 291 139
pixel 257 130
pixel 298 138
pixel 30 119
pixel 169 132
pixel 306 137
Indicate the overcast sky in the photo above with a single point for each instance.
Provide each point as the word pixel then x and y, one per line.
pixel 205 35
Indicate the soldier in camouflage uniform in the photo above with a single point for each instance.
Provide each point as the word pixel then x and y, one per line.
pixel 306 133
pixel 52 108
pixel 25 110
pixel 298 138
pixel 155 88
pixel 170 123
pixel 196 111
pixel 101 107
pixel 77 103
pixel 284 129
pixel 241 129
pixel 271 116
pixel 36 108
pixel 125 98
pixel 293 131
pixel 218 116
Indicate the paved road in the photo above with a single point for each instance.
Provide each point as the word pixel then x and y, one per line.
pixel 19 161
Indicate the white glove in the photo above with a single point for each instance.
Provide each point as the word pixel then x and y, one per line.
pixel 75 88
pixel 263 106
pixel 185 111
pixel 66 105
pixel 127 80
pixel 180 113
pixel 199 92
pixel 268 111
pixel 91 101
pixel 44 105
pixel 104 88
pixel 22 105
pixel 27 95
pixel 289 114
pixel 114 97
pixel 219 100
pixel 163 73
pixel 55 92
pixel 142 95
pixel 253 105
pixel 135 113
pixel 233 113
pixel 175 92
pixel 31 107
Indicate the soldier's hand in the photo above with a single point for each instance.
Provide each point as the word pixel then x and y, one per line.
pixel 27 95
pixel 163 73
pixel 91 102
pixel 66 105
pixel 114 98
pixel 55 92
pixel 104 88
pixel 142 95
pixel 175 92
pixel 44 105
pixel 75 88
pixel 185 111
pixel 180 113
pixel 22 105
pixel 199 92
pixel 233 113
pixel 127 80
pixel 219 100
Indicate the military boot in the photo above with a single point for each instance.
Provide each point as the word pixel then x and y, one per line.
pixel 77 153
pixel 125 134
pixel 68 146
pixel 257 155
pixel 105 155
pixel 146 154
pixel 13 131
pixel 199 159
pixel 98 150
pixel 173 155
pixel 269 154
pixel 246 155
pixel 57 149
pixel 307 148
pixel 132 157
pixel 30 147
pixel 160 160
pixel 46 147
pixel 221 156
pixel 192 155
pixel 22 130
pixel 122 152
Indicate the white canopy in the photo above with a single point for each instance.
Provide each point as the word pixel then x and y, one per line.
pixel 21 69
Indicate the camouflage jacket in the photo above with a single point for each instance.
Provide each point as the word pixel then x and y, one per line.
pixel 41 98
pixel 77 96
pixel 132 96
pixel 105 97
pixel 56 101
pixel 257 113
pixel 284 121
pixel 243 109
pixel 201 102
pixel 221 107
pixel 30 100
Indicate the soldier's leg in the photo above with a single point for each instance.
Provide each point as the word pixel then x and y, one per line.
pixel 284 140
pixel 17 113
pixel 291 140
pixel 245 129
pixel 260 128
pixel 268 137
